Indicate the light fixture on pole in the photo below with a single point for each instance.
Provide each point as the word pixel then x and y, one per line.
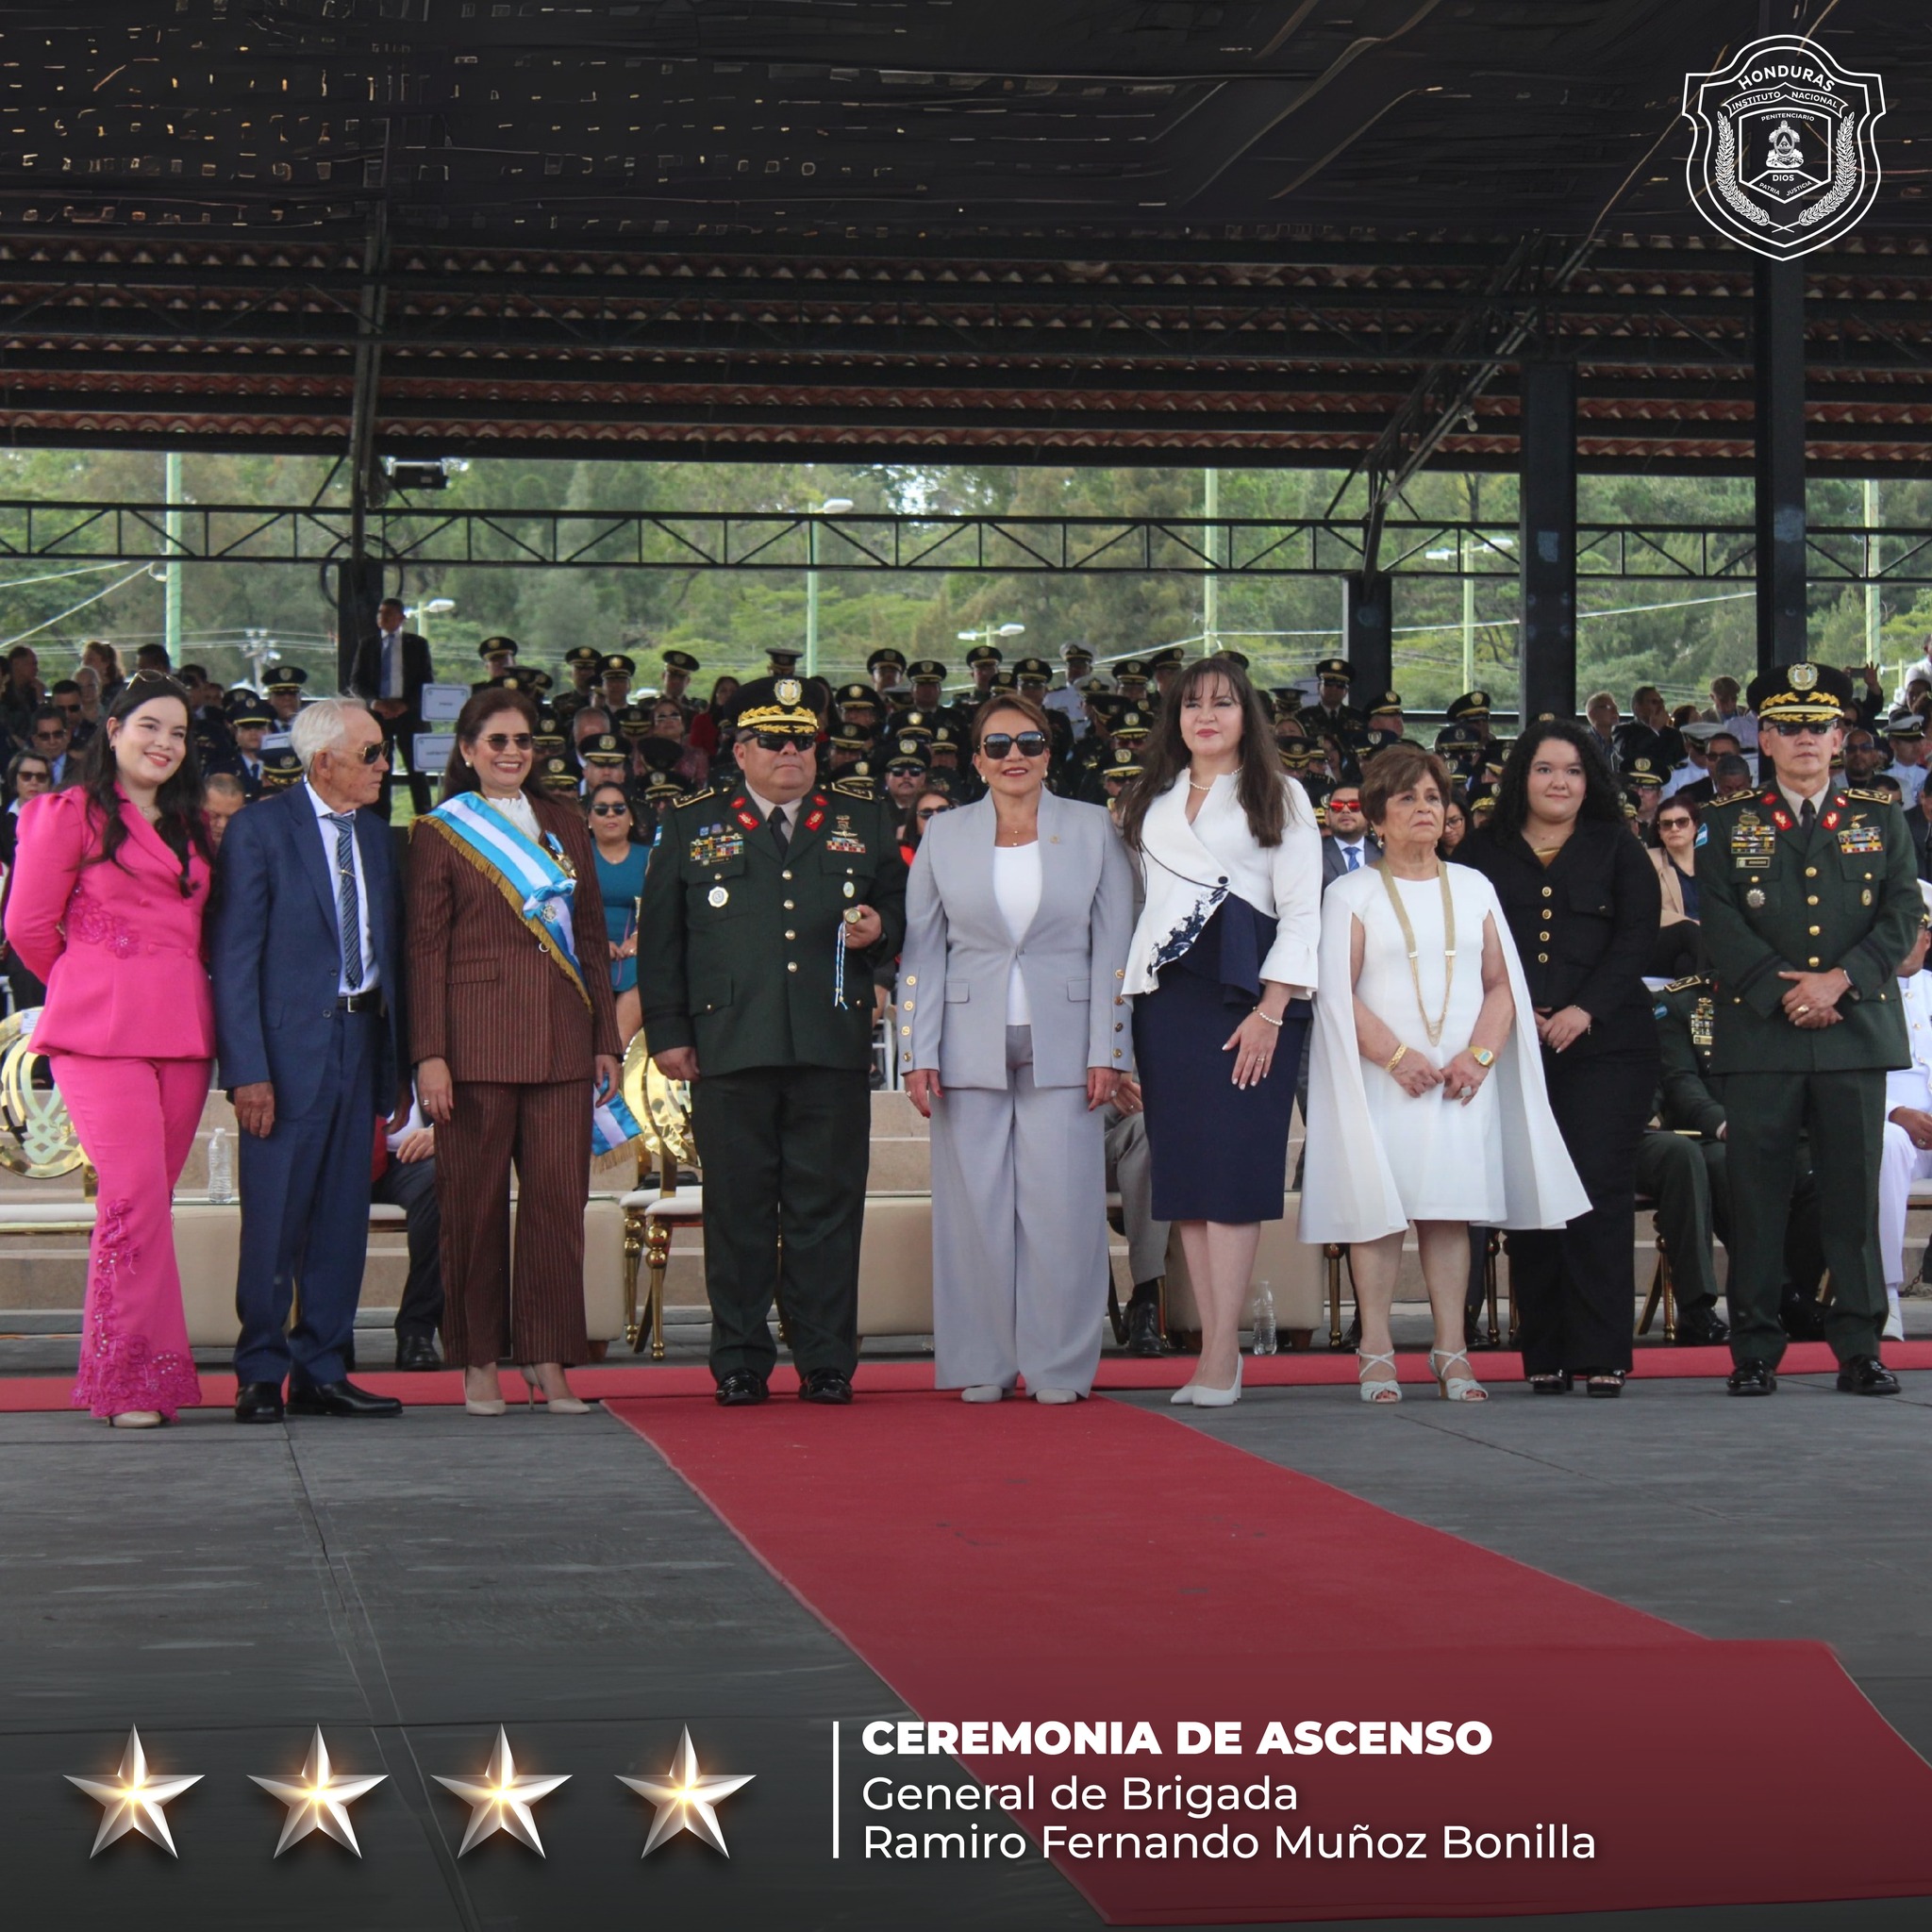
pixel 987 633
pixel 433 606
pixel 832 506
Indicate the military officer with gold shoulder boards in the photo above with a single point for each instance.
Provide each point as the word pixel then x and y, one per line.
pixel 767 909
pixel 1810 900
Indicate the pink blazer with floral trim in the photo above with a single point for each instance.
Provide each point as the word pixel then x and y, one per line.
pixel 118 947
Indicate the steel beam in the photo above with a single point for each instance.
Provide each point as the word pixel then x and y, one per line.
pixel 1778 290
pixel 1547 539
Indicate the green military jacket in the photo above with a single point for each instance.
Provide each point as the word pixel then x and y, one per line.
pixel 1776 899
pixel 737 944
pixel 1691 1097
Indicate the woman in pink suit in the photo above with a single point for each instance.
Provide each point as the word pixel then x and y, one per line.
pixel 110 890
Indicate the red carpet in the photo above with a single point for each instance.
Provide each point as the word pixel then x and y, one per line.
pixel 1108 1563
pixel 1318 1368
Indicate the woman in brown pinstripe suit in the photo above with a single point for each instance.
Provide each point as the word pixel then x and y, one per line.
pixel 509 1036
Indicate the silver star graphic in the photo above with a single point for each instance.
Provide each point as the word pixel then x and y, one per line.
pixel 501 1799
pixel 687 1800
pixel 133 1801
pixel 318 1799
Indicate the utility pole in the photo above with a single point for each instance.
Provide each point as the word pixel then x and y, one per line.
pixel 1210 582
pixel 171 605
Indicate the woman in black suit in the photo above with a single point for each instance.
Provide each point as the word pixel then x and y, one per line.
pixel 1582 900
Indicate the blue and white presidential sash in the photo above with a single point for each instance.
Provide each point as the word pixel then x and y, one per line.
pixel 537 882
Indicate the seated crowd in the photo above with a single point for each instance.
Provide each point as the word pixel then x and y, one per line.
pixel 1625 1018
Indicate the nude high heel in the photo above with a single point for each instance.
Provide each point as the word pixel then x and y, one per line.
pixel 136 1418
pixel 565 1404
pixel 481 1405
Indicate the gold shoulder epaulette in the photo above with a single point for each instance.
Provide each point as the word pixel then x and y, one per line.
pixel 1873 797
pixel 685 798
pixel 1688 980
pixel 1735 798
pixel 854 788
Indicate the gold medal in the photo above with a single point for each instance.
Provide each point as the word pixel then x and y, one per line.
pixel 717 896
pixel 1865 897
pixel 1754 898
pixel 850 890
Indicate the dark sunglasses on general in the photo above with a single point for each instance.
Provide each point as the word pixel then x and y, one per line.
pixel 783 740
pixel 996 745
pixel 1803 730
pixel 503 740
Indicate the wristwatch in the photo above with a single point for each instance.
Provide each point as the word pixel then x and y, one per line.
pixel 1483 1055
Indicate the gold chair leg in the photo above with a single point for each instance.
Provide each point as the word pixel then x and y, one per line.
pixel 633 1261
pixel 657 1253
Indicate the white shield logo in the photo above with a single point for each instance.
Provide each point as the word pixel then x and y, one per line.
pixel 1783 155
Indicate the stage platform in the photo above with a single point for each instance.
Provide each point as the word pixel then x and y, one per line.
pixel 410 1586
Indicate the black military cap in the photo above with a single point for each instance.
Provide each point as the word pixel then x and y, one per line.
pixel 607 748
pixel 660 753
pixel 1472 704
pixel 907 754
pixel 556 774
pixel 1032 669
pixel 548 732
pixel 1129 768
pixel 849 741
pixel 1131 671
pixel 783 657
pixel 617 664
pixel 926 671
pixel 583 654
pixel 1388 706
pixel 660 790
pixel 1335 671
pixel 1128 723
pixel 985 654
pixel 285 678
pixel 886 656
pixel 1645 772
pixel 255 713
pixel 279 770
pixel 680 660
pixel 856 695
pixel 914 724
pixel 1801 693
pixel 773 704
pixel 1173 654
pixel 489 647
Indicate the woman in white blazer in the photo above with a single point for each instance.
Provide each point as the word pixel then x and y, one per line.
pixel 1220 970
pixel 1013 1036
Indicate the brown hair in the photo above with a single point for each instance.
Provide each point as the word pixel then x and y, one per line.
pixel 1263 789
pixel 490 702
pixel 1034 713
pixel 1398 769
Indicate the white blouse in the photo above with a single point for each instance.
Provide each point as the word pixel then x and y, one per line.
pixel 1016 887
pixel 1189 869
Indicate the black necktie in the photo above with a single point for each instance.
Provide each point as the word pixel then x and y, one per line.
pixel 1808 815
pixel 780 832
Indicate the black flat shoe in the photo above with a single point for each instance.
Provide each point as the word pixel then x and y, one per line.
pixel 1702 1328
pixel 825 1385
pixel 1560 1384
pixel 1143 1330
pixel 1751 1378
pixel 417 1352
pixel 339 1399
pixel 1607 1382
pixel 258 1402
pixel 1865 1374
pixel 741 1388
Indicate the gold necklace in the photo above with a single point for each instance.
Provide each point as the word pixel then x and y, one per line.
pixel 1432 1027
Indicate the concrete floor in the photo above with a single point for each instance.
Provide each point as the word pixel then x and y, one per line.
pixel 410 1585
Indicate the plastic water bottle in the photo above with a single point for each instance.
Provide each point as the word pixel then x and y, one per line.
pixel 1266 1341
pixel 221 1168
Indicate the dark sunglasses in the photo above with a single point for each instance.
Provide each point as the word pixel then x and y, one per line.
pixel 1030 745
pixel 1810 730
pixel 1671 824
pixel 783 740
pixel 504 741
pixel 609 812
pixel 50 731
pixel 931 811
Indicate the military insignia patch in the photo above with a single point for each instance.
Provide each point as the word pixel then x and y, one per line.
pixel 843 838
pixel 1853 839
pixel 1753 843
pixel 787 690
pixel 1703 1025
pixel 715 845
pixel 1803 676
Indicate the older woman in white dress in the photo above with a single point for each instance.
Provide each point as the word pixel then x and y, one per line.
pixel 1423 1105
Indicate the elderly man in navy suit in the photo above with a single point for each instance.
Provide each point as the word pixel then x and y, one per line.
pixel 307 954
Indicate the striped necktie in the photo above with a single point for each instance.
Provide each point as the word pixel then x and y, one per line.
pixel 348 914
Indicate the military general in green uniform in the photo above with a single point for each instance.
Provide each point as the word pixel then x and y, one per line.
pixel 766 909
pixel 1810 900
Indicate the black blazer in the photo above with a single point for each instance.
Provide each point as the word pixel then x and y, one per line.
pixel 365 676
pixel 1585 927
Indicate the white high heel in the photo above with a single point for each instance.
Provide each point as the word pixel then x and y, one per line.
pixel 983 1391
pixel 1183 1397
pixel 565 1404
pixel 1220 1398
pixel 136 1418
pixel 1378 1391
pixel 1456 1388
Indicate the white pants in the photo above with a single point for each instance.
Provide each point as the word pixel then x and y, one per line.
pixel 1901 1165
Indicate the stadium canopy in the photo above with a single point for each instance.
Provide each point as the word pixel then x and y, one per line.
pixel 1362 235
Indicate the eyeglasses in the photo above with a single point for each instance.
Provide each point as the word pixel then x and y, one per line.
pixel 609 812
pixel 1673 824
pixel 931 811
pixel 505 740
pixel 783 740
pixel 1029 744
pixel 50 731
pixel 1808 730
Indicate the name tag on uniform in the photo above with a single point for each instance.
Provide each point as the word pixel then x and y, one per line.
pixel 715 845
pixel 1856 839
pixel 1753 843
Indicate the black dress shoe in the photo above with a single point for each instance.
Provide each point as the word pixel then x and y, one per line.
pixel 258 1402
pixel 1751 1378
pixel 338 1398
pixel 417 1352
pixel 1702 1328
pixel 1865 1374
pixel 825 1385
pixel 1143 1330
pixel 741 1388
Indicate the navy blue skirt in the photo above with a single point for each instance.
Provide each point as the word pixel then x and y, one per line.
pixel 1218 1152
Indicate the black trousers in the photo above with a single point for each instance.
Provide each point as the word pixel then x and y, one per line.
pixel 786 1152
pixel 1574 1286
pixel 410 1185
pixel 1768 1115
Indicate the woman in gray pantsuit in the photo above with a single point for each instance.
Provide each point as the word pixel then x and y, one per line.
pixel 1013 1034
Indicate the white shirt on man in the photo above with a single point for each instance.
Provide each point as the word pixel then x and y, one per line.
pixel 765 809
pixel 326 829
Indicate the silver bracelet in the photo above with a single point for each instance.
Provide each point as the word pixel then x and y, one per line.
pixel 1260 1015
